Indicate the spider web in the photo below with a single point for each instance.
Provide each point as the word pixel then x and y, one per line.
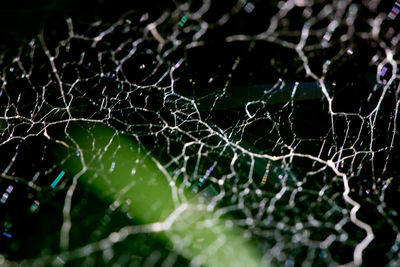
pixel 206 128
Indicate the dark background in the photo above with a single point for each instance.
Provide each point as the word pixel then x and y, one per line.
pixel 22 20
